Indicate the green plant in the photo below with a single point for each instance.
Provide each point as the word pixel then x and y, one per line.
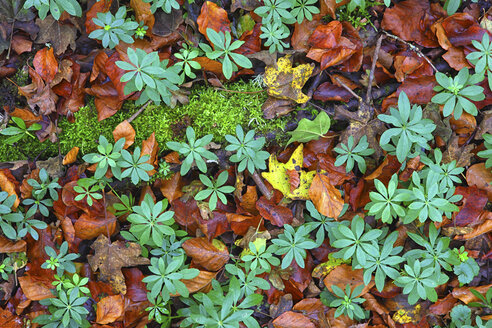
pixel 166 5
pixel 486 301
pixel 107 157
pixel 166 277
pixel 28 225
pixel 18 132
pixel 362 4
pixel 150 222
pixel 276 11
pixel 455 93
pixel 147 73
pixel 259 256
pixel 158 310
pixel 87 188
pixel 44 185
pixel 293 245
pixel 186 63
pixel 451 6
pixel 419 282
pixel 410 130
pixel 141 30
pixel 356 243
pixel 60 262
pixel 351 153
pixel 385 203
pixel 113 28
pixel 55 7
pixel 428 200
pixel 348 302
pixel 482 59
pixel 135 166
pixel 323 225
pixel 194 150
pixel 224 52
pixel 169 249
pixel 6 215
pixel 248 150
pixel 488 152
pixel 71 282
pixel 248 281
pixel 448 172
pixel 125 205
pixel 308 130
pixel 67 310
pixel 216 310
pixel 274 34
pixel 215 190
pixel 6 268
pixel 466 271
pixel 303 9
pixel 384 263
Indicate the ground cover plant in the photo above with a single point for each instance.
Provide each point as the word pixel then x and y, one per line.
pixel 274 163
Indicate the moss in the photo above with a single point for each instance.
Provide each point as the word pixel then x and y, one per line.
pixel 209 111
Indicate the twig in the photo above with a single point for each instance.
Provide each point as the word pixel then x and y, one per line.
pixel 11 37
pixel 245 92
pixel 373 68
pixel 261 185
pixel 134 116
pixel 348 89
pixel 413 48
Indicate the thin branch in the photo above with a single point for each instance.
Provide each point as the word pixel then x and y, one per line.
pixel 348 89
pixel 134 116
pixel 261 185
pixel 413 48
pixel 373 68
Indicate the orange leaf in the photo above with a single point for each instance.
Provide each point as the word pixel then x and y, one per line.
pixel 9 246
pixel 326 198
pixel 150 147
pixel 343 275
pixel 110 309
pixel 211 256
pixel 34 289
pixel 200 282
pixel 214 17
pixel 26 115
pixel 101 6
pixel 292 319
pixel 465 295
pixel 124 130
pixel 143 13
pixel 171 188
pixel 45 64
pixel 89 227
pixel 10 320
pixel 478 175
pixel 7 185
pixel 71 156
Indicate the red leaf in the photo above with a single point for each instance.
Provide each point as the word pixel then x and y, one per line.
pixel 474 200
pixel 292 319
pixel 276 214
pixel 211 256
pixel 45 64
pixel 214 17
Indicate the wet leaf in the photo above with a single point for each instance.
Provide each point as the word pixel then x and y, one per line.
pixel 343 275
pixel 110 309
pixel 124 130
pixel 308 130
pixel 71 156
pixel 59 35
pixel 286 82
pixel 214 17
pixel 46 64
pixel 278 215
pixel 211 256
pixel 481 177
pixel 292 319
pixel 109 258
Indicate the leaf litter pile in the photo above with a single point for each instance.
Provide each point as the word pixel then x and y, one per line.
pixel 370 209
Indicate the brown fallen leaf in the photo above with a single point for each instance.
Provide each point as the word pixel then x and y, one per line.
pixel 45 64
pixel 326 198
pixel 461 154
pixel 200 283
pixel 343 275
pixel 211 256
pixel 292 319
pixel 39 94
pixel 71 156
pixel 109 258
pixel 480 176
pixel 9 246
pixel 110 309
pixel 124 130
pixel 465 295
pixel 58 34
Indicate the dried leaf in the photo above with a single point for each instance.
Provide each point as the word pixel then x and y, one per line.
pixel 211 256
pixel 151 147
pixel 326 198
pixel 110 309
pixel 45 64
pixel 59 35
pixel 143 12
pixel 9 246
pixel 461 154
pixel 343 275
pixel 71 156
pixel 278 215
pixel 465 295
pixel 200 282
pixel 109 258
pixel 481 177
pixel 124 130
pixel 286 82
pixel 292 319
pixel 214 17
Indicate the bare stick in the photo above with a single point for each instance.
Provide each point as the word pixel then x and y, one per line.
pixel 373 68
pixel 261 185
pixel 134 116
pixel 348 89
pixel 412 47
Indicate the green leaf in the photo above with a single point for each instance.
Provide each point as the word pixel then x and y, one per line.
pixel 310 130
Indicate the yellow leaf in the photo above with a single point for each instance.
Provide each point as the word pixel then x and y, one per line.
pixel 286 82
pixel 279 179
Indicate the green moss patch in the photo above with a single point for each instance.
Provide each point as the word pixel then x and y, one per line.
pixel 209 111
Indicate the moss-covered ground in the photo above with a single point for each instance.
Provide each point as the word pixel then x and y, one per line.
pixel 209 111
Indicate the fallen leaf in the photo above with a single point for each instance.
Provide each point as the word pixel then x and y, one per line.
pixel 124 130
pixel 200 282
pixel 71 156
pixel 143 13
pixel 308 130
pixel 39 95
pixel 9 246
pixel 9 319
pixel 151 147
pixel 110 309
pixel 90 226
pixel 286 82
pixel 481 177
pixel 465 295
pixel 278 215
pixel 45 64
pixel 326 198
pixel 59 35
pixel 100 6
pixel 35 289
pixel 7 185
pixel 109 258
pixel 292 319
pixel 474 200
pixel 461 154
pixel 211 256
pixel 171 188
pixel 214 17
pixel 343 275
